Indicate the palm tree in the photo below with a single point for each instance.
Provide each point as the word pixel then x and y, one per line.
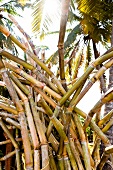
pixel 93 27
pixel 11 8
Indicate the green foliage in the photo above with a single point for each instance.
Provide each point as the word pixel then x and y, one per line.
pixel 37 15
pixel 10 7
pixel 93 23
pixel 72 36
pixel 1 153
pixel 4 92
pixel 96 19
pixel 88 130
pixel 88 7
pixel 2 37
pixel 101 10
pixel 88 56
pixel 43 47
pixel 8 44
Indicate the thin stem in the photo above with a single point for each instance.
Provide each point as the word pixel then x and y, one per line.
pixel 8 108
pixel 4 127
pixel 95 78
pixel 106 98
pixel 13 122
pixel 8 155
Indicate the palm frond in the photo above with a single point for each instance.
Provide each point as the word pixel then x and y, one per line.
pixel 73 13
pixel 96 30
pixel 88 6
pixel 73 4
pixel 42 18
pixel 10 7
pixel 72 57
pixel 96 15
pixel 23 2
pixel 38 8
pixel 72 36
pixel 72 17
pixel 88 56
pixel 76 65
pixel 100 10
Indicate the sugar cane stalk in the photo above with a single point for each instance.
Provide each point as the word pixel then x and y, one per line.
pixel 33 56
pixel 94 79
pixel 63 22
pixel 24 132
pixel 59 128
pixel 81 80
pixel 105 156
pixel 45 159
pixel 86 155
pixel 17 151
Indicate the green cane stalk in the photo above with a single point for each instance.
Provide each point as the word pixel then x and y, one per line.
pixel 94 79
pixel 105 156
pixel 86 154
pixel 81 80
pixel 76 154
pixel 94 127
pixel 105 118
pixel 8 108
